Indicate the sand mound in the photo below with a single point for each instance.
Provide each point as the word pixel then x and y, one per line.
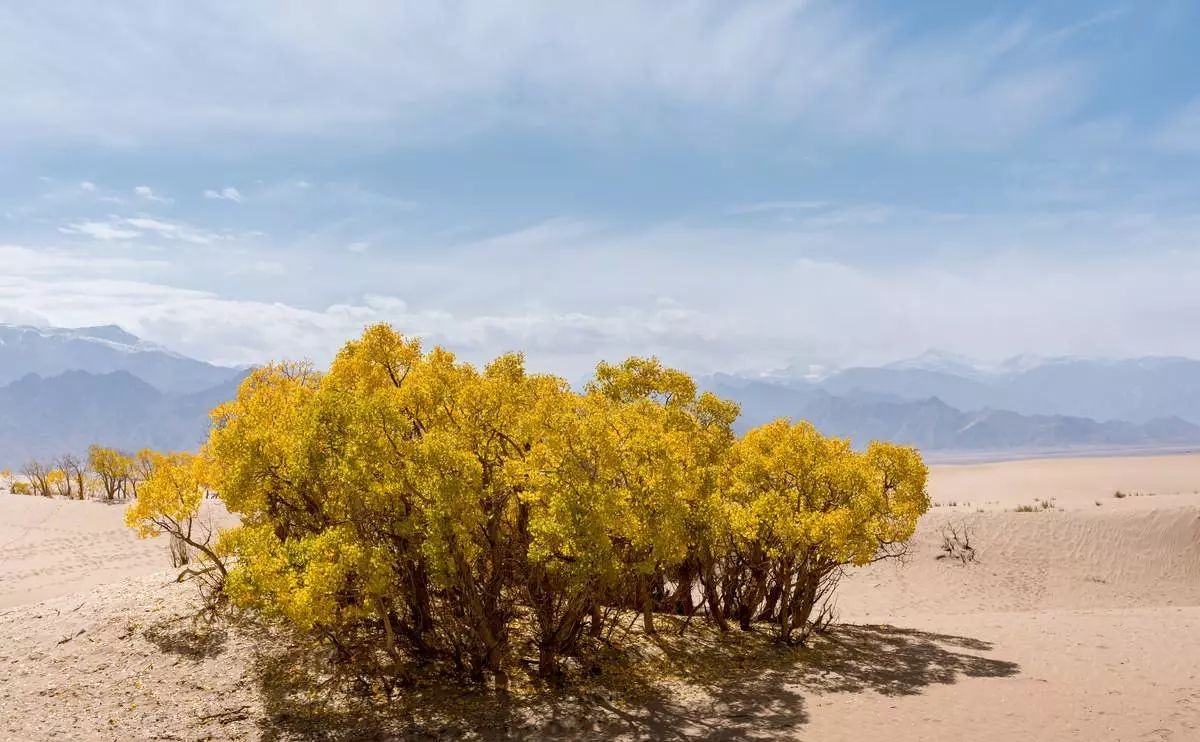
pixel 1075 621
pixel 1038 561
pixel 52 547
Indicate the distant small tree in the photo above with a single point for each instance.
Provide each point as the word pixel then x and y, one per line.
pixel 38 475
pixel 74 471
pixel 113 470
pixel 60 483
pixel 140 468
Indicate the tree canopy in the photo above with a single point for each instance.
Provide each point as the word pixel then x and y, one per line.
pixel 407 508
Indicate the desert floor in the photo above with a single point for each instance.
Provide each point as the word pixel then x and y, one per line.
pixel 1079 620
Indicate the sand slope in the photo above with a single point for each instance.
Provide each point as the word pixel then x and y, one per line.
pixel 57 547
pixel 1079 623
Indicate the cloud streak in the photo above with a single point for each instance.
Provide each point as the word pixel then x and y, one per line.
pixel 228 193
pixel 707 299
pixel 420 72
pixel 120 229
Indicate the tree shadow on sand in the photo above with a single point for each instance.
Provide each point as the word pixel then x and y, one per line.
pixel 896 662
pixel 187 637
pixel 707 686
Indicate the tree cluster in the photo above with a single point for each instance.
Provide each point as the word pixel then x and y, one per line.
pixel 409 509
pixel 105 473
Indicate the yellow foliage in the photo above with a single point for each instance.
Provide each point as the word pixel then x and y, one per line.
pixel 169 498
pixel 404 504
pixel 793 490
pixel 112 468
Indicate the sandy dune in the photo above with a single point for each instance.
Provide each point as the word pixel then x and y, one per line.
pixel 57 547
pixel 1076 622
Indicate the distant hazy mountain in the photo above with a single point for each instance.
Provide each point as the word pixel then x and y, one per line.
pixel 934 425
pixel 64 389
pixel 49 352
pixel 45 417
pixel 61 390
pixel 1137 390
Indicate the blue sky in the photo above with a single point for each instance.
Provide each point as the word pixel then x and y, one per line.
pixel 729 186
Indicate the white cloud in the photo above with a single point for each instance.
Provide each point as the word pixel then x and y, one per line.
pixel 24 263
pixel 106 231
pixel 147 193
pixel 173 230
pixel 441 70
pixel 87 185
pixel 130 228
pixel 706 299
pixel 228 193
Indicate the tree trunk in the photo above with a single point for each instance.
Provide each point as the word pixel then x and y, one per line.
pixel 596 627
pixel 714 602
pixel 547 661
pixel 647 606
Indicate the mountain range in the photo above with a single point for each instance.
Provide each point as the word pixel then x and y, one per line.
pixel 49 352
pixel 949 404
pixel 63 389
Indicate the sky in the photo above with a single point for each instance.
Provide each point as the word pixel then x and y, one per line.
pixel 728 186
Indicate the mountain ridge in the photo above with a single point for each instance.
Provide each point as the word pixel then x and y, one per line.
pixel 1135 389
pixel 43 417
pixel 50 351
pixel 62 389
pixel 934 425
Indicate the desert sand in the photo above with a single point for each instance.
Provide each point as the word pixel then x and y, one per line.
pixel 1079 620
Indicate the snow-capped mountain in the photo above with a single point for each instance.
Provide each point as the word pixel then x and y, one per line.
pixel 49 352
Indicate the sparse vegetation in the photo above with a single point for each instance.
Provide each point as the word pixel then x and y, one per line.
pixel 956 543
pixel 1038 506
pixel 1121 494
pixel 106 474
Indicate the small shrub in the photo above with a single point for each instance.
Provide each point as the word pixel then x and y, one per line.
pixel 170 504
pixel 1120 495
pixel 20 488
pixel 956 543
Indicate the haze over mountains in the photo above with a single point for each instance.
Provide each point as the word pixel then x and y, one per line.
pixel 945 403
pixel 61 390
pixel 99 350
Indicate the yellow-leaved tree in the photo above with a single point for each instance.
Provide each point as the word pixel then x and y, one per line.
pixel 112 468
pixel 169 503
pixel 407 509
pixel 801 507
